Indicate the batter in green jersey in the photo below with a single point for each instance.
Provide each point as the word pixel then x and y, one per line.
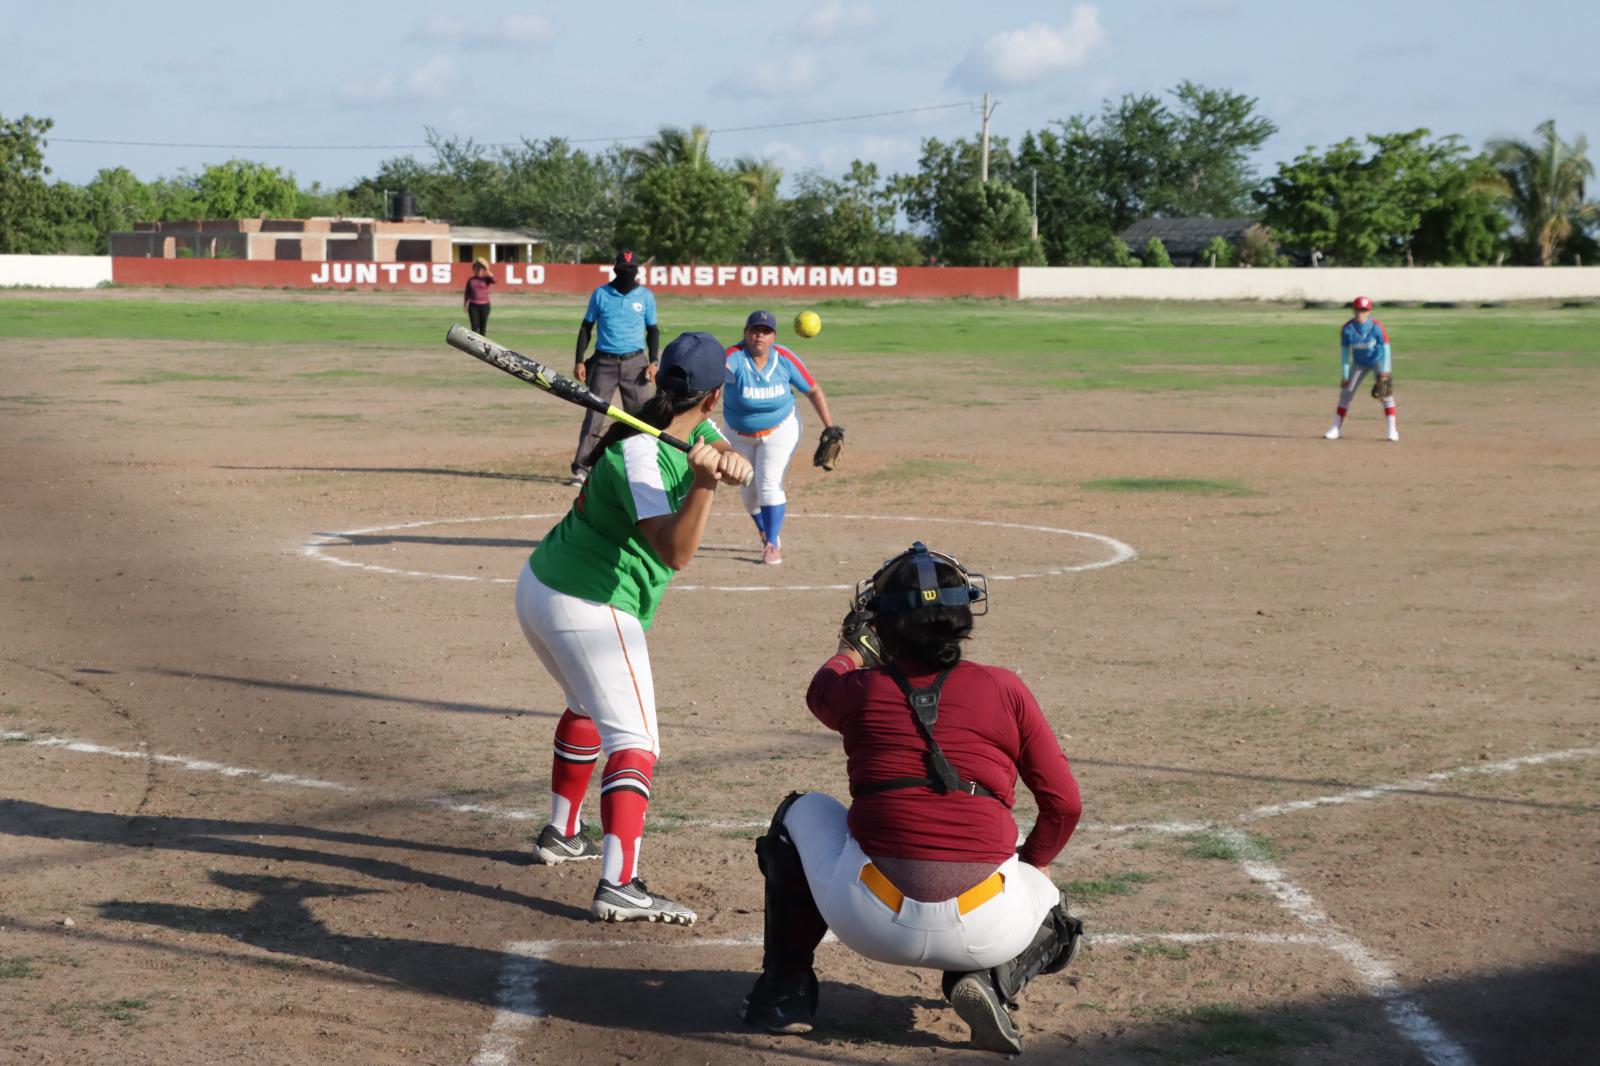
pixel 585 599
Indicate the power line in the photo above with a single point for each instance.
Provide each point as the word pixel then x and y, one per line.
pixel 494 144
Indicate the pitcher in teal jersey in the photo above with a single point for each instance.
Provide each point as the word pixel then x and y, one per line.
pixel 1364 349
pixel 585 599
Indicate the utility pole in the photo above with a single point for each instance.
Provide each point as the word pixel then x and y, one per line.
pixel 1036 204
pixel 987 111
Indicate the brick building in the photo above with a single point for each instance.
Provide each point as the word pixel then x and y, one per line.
pixel 407 240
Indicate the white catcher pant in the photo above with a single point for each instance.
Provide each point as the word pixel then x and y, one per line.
pixel 597 655
pixel 932 935
pixel 770 456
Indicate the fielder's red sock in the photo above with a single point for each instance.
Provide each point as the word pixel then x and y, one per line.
pixel 577 750
pixel 624 797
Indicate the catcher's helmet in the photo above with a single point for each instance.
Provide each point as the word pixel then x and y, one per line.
pixel 873 597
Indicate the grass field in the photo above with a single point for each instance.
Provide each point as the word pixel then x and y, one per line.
pixel 272 744
pixel 1055 346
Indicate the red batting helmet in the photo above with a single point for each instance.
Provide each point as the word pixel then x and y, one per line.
pixel 1362 303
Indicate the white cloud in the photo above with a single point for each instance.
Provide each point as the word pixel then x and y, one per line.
pixel 795 74
pixel 835 19
pixel 427 83
pixel 1027 56
pixel 511 31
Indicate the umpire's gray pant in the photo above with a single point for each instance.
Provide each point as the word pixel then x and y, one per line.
pixel 604 372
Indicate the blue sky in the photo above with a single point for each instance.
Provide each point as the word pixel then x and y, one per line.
pixel 335 73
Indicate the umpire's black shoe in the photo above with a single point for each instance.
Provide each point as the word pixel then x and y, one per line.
pixel 980 1006
pixel 783 1006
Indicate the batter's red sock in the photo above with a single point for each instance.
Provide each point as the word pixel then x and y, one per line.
pixel 577 750
pixel 624 797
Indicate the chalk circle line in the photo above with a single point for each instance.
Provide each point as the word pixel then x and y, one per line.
pixel 317 547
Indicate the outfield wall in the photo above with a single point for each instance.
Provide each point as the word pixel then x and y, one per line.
pixel 1337 285
pixel 807 282
pixel 55 271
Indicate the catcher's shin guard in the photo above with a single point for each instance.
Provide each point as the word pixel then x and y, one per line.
pixel 793 927
pixel 785 997
pixel 1051 949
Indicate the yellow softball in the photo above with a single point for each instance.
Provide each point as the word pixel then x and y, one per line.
pixel 808 323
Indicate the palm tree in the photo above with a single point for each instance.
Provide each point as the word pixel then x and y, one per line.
pixel 760 178
pixel 1543 183
pixel 673 145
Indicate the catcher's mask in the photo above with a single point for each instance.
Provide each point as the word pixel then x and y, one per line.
pixel 873 599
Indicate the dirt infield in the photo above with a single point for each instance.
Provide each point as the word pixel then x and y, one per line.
pixel 274 746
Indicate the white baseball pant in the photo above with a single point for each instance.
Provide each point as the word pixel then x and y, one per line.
pixel 770 456
pixel 598 656
pixel 933 935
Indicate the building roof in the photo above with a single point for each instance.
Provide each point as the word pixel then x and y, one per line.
pixel 1186 237
pixel 490 235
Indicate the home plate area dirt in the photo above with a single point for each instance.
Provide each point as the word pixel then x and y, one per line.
pixel 274 747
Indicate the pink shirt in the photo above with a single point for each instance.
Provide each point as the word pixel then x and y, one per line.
pixel 478 288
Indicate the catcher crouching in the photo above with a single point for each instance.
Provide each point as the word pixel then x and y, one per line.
pixel 923 869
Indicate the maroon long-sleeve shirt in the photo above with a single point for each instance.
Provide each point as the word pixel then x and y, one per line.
pixel 990 728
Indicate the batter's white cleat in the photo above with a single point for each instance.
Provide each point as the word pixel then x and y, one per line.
pixel 633 902
pixel 552 849
pixel 1394 435
pixel 1332 434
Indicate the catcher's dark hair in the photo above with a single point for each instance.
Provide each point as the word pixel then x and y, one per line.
pixel 929 635
pixel 659 411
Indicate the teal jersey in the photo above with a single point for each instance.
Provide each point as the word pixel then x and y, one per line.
pixel 597 552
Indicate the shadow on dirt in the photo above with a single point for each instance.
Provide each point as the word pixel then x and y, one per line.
pixel 455 706
pixel 687 1002
pixel 246 840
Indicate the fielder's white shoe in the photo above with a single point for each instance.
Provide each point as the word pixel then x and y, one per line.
pixel 1394 435
pixel 1332 434
pixel 633 902
pixel 552 849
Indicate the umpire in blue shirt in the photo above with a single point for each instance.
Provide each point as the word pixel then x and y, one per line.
pixel 621 318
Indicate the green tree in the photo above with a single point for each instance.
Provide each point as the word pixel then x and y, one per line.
pixel 987 224
pixel 569 197
pixel 1543 181
pixel 1217 252
pixel 1155 253
pixel 1365 209
pixel 1140 158
pixel 114 200
pixel 686 213
pixel 241 188
pixel 25 203
pixel 671 146
pixel 848 221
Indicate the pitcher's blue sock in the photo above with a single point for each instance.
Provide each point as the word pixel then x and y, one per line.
pixel 772 520
pixel 760 519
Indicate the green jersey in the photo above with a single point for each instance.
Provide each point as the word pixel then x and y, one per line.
pixel 597 552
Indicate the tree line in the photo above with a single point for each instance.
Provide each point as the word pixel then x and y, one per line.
pixel 1058 196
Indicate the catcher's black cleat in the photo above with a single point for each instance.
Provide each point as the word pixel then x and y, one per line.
pixel 981 1007
pixel 779 1005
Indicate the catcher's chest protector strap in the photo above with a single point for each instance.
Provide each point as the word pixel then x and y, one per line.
pixel 942 777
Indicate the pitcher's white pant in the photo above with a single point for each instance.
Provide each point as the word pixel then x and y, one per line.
pixel 770 456
pixel 932 935
pixel 597 655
